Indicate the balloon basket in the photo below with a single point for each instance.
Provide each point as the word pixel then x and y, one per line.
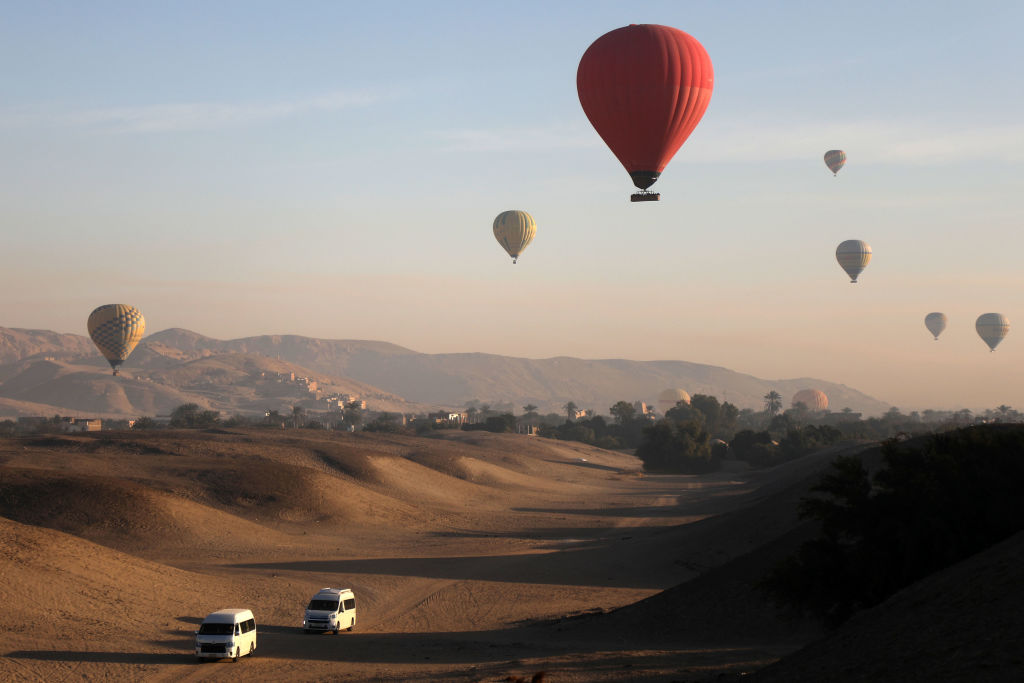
pixel 644 196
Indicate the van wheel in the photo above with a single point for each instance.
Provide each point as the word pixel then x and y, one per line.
pixel 252 648
pixel 352 625
pixel 238 652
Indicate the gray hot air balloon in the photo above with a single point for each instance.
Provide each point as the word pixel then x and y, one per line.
pixel 936 323
pixel 853 256
pixel 992 328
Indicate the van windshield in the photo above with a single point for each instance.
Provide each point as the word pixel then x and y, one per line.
pixel 326 605
pixel 216 629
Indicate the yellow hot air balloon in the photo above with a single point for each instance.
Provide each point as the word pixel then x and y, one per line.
pixel 853 256
pixel 514 230
pixel 936 323
pixel 115 330
pixel 834 159
pixel 992 328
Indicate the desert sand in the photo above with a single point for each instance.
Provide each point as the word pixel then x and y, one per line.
pixel 473 556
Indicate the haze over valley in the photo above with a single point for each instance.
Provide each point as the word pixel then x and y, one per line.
pixel 43 373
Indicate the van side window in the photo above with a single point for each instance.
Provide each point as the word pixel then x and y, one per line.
pixel 251 625
pixel 350 603
pixel 238 629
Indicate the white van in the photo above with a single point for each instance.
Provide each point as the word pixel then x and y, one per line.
pixel 226 633
pixel 331 609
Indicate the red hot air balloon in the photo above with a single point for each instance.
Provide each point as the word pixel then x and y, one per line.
pixel 645 87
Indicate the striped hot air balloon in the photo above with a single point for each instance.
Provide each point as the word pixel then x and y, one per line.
pixel 853 257
pixel 514 230
pixel 115 330
pixel 812 398
pixel 834 159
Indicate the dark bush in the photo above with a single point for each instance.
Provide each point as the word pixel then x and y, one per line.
pixel 936 501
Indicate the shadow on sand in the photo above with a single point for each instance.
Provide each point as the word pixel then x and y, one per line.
pixel 492 653
pixel 104 657
pixel 592 565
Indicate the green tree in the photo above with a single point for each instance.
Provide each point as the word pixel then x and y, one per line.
pixel 570 411
pixel 719 418
pixel 353 413
pixel 144 423
pixel 935 501
pixel 684 412
pixel 385 422
pixel 670 446
pixel 190 415
pixel 185 415
pixel 623 412
pixel 504 423
pixel 772 403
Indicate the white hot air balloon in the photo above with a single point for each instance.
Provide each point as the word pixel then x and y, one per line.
pixel 668 399
pixel 992 328
pixel 853 256
pixel 936 323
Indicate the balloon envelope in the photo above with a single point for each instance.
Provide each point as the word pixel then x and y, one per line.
pixel 115 330
pixel 812 398
pixel 514 230
pixel 834 159
pixel 668 399
pixel 936 323
pixel 853 257
pixel 644 88
pixel 992 328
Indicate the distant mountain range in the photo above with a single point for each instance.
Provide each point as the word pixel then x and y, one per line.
pixel 64 372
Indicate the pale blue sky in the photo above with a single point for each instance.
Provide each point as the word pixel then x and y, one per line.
pixel 332 169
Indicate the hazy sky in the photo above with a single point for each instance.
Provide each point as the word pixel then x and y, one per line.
pixel 333 169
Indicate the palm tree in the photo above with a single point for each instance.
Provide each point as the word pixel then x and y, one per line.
pixel 529 409
pixel 1005 413
pixel 773 403
pixel 570 411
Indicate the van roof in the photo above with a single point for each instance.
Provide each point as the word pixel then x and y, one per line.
pixel 228 616
pixel 333 591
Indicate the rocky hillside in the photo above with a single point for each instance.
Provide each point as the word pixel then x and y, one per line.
pixel 442 380
pixel 230 383
pixel 454 378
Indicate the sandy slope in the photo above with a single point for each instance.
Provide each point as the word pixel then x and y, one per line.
pixel 961 624
pixel 473 556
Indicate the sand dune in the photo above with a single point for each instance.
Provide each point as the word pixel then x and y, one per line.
pixel 474 556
